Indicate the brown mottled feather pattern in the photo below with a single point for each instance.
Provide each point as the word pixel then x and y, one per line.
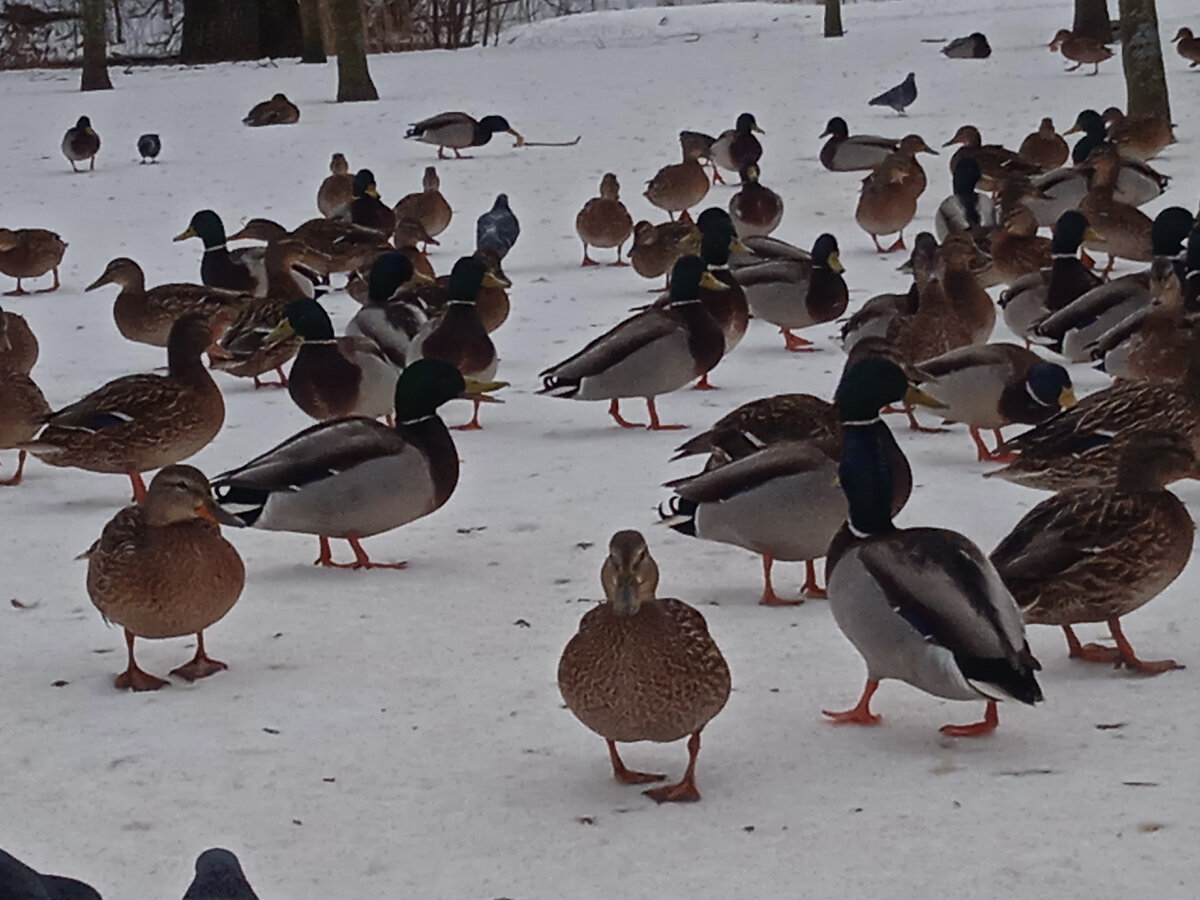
pixel 18 346
pixel 22 408
pixel 35 253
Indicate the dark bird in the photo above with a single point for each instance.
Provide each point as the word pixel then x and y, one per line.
pixel 279 110
pixel 497 229
pixel 219 877
pixel 458 131
pixel 149 146
pixel 19 882
pixel 81 143
pixel 973 46
pixel 900 97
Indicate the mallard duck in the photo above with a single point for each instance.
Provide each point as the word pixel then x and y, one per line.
pixel 366 209
pixel 390 322
pixel 888 202
pixel 333 377
pixel 969 301
pixel 354 478
pixel 337 189
pixel 458 335
pixel 140 422
pixel 22 410
pixel 995 385
pixel 81 143
pixel 30 253
pixel 497 229
pixel 844 152
pixel 1094 554
pixel 965 211
pixel 219 874
pixel 21 881
pixel 428 207
pixel 737 147
pixel 604 221
pixel 643 667
pixel 18 346
pixel 759 423
pixel 492 303
pixel 1152 343
pixel 1016 248
pixel 1122 230
pixel 1138 137
pixel 797 293
pixel 148 147
pixel 1188 46
pixel 756 210
pixel 146 316
pixel 1044 148
pixel 973 46
pixel 243 270
pixel 996 163
pixel 1031 298
pixel 339 246
pixel 161 569
pixel 876 317
pixel 900 97
pixel 1080 49
pixel 279 110
pixel 679 187
pixel 656 248
pixel 458 131
pixel 921 605
pixel 409 233
pixel 654 352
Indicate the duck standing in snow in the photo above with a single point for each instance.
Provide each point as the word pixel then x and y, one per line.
pixel 337 189
pixel 19 882
pixel 149 146
pixel 81 143
pixel 604 221
pixel 846 152
pixel 497 229
pixel 458 131
pixel 1080 49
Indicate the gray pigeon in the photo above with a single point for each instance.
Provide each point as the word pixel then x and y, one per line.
pixel 899 97
pixel 219 877
pixel 497 229
pixel 149 146
pixel 19 882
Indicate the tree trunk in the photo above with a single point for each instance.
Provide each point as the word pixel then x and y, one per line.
pixel 95 47
pixel 215 32
pixel 280 31
pixel 313 50
pixel 1092 20
pixel 1141 58
pixel 354 79
pixel 833 18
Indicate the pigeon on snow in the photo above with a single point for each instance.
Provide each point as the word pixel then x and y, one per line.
pixel 149 146
pixel 497 229
pixel 899 97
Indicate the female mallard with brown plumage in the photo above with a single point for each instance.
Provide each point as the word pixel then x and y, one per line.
pixel 677 188
pixel 888 202
pixel 1080 49
pixel 18 346
pixel 162 570
pixel 1138 137
pixel 279 110
pixel 604 221
pixel 1188 46
pixel 22 410
pixel 756 209
pixel 996 163
pixel 428 207
pixel 339 246
pixel 338 187
pixel 30 253
pixel 1124 231
pixel 1093 554
pixel 656 248
pixel 1044 148
pixel 643 667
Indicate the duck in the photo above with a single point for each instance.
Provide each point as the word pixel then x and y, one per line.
pixel 875 319
pixel 458 335
pixel 756 210
pixel 1096 554
pixel 1152 343
pixel 22 881
pixel 1137 184
pixel 736 147
pixel 643 667
pixel 458 131
pixel 497 229
pixel 844 152
pixel 1138 137
pixel 337 190
pixel 81 143
pixel 146 316
pixel 1122 230
pixel 337 246
pixel 23 407
pixel 30 253
pixel 1080 49
pixel 996 385
pixel 149 146
pixel 390 322
pixel 1044 148
pixel 18 344
pixel 409 233
pixel 762 422
pixel 653 352
pixel 1188 46
pixel 428 207
pixel 354 478
pixel 965 211
pixel 920 605
pixel 679 187
pixel 333 377
pixel 1015 246
pixel 243 270
pixel 140 422
pixel 366 209
pixel 656 248
pixel 492 303
pixel 279 110
pixel 782 499
pixel 162 569
pixel 996 163
pixel 900 97
pixel 971 304
pixel 701 144
pixel 973 46
pixel 604 221
pixel 219 874
pixel 795 293
pixel 888 202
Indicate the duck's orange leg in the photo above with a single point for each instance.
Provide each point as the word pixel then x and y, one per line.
pixel 614 410
pixel 861 713
pixel 811 588
pixel 133 678
pixel 16 479
pixel 139 487
pixel 685 791
pixel 628 776
pixel 201 665
pixel 769 597
pixel 991 718
pixel 655 424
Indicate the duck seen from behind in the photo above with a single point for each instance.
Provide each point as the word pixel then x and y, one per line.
pixel 604 221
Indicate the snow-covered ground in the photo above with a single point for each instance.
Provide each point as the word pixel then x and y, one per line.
pixel 400 734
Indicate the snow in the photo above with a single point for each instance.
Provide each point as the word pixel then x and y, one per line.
pixel 400 733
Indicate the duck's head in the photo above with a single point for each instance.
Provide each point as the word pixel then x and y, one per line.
pixel 644 233
pixel 1063 34
pixel 610 188
pixel 1071 230
pixel 629 574
pixel 305 317
pixel 688 275
pixel 496 124
pixel 871 384
pixel 180 494
pixel 430 180
pixel 338 165
pixel 1112 116
pixel 467 277
pixel 364 184
pixel 388 272
pixel 826 254
pixel 966 175
pixel 1047 126
pixel 424 386
pixel 259 229
pixel 1153 459
pixel 217 865
pixel 207 226
pixel 749 173
pixel 1170 229
pixel 718 236
pixel 746 124
pixel 914 143
pixel 122 270
pixel 836 127
pixel 695 144
pixel 280 98
pixel 1183 34
pixel 1089 122
pixel 967 135
pixel 1049 385
pixel 84 124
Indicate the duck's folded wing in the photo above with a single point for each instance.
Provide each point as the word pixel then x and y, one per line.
pixel 774 271
pixel 615 345
pixel 117 403
pixel 441 120
pixel 775 461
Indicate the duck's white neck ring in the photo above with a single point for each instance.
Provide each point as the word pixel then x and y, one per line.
pixel 417 421
pixel 214 248
pixel 1063 256
pixel 863 422
pixel 854 531
pixel 460 303
pixel 1036 399
pixel 724 267
pixel 685 302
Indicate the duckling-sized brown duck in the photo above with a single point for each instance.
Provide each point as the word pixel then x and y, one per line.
pixel 146 316
pixel 30 253
pixel 656 248
pixel 679 187
pixel 738 146
pixel 279 110
pixel 338 187
pixel 1044 148
pixel 604 221
pixel 428 207
pixel 1080 49
pixel 756 210
pixel 643 667
pixel 141 422
pixel 162 570
pixel 1188 46
pixel 844 152
pixel 1093 554
pixel 1138 137
pixel 366 209
pixel 81 143
pixel 22 410
pixel 1124 231
pixel 18 346
pixel 996 163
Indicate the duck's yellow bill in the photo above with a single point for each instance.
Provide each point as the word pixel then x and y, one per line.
pixel 184 235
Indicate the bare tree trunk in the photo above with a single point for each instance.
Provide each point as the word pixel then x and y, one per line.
pixel 833 18
pixel 1092 20
pixel 313 50
pixel 95 47
pixel 1141 58
pixel 354 79
pixel 215 32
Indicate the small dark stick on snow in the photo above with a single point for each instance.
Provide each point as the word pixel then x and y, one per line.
pixel 553 143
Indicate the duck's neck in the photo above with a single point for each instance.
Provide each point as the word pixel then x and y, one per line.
pixel 866 477
pixel 187 365
pixel 428 433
